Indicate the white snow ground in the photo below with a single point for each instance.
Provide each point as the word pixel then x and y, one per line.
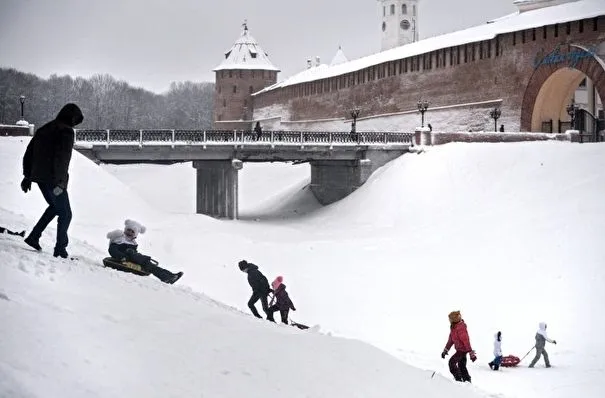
pixel 511 234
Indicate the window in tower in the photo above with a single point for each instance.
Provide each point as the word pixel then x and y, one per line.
pixel 392 9
pixel 404 9
pixel 414 10
pixel 234 89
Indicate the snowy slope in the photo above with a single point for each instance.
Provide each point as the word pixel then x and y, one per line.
pixel 508 233
pixel 73 328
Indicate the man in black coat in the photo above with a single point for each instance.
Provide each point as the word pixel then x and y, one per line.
pixel 260 287
pixel 46 162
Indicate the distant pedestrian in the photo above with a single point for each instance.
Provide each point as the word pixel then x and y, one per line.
pixel 495 364
pixel 258 131
pixel 502 128
pixel 430 127
pixel 541 339
pixel 46 162
pixel 260 287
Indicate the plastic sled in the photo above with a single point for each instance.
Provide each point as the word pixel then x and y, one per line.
pixel 125 266
pixel 510 361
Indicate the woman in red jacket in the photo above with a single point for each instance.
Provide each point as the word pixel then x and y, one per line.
pixel 459 339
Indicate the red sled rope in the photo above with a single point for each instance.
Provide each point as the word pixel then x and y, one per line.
pixel 510 361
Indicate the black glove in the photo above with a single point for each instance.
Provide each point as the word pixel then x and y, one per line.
pixel 554 341
pixel 443 354
pixel 473 356
pixel 26 184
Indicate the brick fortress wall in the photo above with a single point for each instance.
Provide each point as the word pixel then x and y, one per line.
pixel 463 83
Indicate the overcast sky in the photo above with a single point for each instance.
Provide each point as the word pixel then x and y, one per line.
pixel 150 43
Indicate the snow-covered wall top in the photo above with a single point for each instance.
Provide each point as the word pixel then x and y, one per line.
pixel 571 11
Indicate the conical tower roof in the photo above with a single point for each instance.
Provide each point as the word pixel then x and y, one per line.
pixel 339 57
pixel 246 54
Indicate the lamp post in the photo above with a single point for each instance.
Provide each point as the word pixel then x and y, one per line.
pixel 423 105
pixel 354 115
pixel 571 109
pixel 22 100
pixel 495 114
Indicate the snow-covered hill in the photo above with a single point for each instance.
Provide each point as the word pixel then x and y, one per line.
pixel 508 233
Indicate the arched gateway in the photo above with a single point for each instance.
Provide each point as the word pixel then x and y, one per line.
pixel 556 77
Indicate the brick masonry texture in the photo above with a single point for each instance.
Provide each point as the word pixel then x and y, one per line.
pixel 500 72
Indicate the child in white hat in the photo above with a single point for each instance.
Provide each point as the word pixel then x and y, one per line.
pixel 123 247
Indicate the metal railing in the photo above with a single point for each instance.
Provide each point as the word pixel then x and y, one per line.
pixel 237 137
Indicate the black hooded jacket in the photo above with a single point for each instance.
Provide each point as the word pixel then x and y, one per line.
pixel 48 154
pixel 258 282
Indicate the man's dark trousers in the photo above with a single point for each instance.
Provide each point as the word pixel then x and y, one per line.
pixel 57 206
pixel 263 300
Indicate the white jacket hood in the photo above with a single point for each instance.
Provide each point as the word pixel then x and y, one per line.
pixel 542 329
pixel 497 344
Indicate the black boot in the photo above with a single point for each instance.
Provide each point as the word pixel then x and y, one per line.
pixel 33 243
pixel 60 252
pixel 175 277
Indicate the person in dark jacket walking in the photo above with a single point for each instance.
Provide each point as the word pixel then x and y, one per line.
pixel 541 339
pixel 459 339
pixel 46 162
pixel 123 247
pixel 260 287
pixel 258 131
pixel 281 301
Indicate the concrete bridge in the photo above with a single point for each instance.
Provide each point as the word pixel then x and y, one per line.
pixel 340 161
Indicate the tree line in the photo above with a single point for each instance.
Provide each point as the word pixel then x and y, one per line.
pixel 106 103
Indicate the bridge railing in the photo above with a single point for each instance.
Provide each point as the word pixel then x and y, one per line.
pixel 238 137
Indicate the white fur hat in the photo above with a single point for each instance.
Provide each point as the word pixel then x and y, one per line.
pixel 135 226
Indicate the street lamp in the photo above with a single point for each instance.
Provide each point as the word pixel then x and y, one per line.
pixel 495 114
pixel 571 109
pixel 423 105
pixel 354 115
pixel 22 100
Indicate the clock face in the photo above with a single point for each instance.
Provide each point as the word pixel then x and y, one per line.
pixel 384 26
pixel 405 24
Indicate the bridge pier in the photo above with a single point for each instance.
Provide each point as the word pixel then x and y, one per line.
pixel 332 180
pixel 217 187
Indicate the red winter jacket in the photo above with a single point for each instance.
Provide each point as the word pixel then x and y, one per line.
pixel 459 338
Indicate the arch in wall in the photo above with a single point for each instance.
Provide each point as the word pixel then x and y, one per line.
pixel 555 80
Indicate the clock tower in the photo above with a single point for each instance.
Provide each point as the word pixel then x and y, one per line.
pixel 398 22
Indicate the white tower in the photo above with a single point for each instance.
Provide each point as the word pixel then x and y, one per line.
pixel 398 22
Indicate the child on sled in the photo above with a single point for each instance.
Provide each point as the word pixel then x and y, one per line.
pixel 123 247
pixel 280 302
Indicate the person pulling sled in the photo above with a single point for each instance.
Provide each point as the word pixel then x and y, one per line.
pixel 123 249
pixel 260 287
pixel 541 339
pixel 280 302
